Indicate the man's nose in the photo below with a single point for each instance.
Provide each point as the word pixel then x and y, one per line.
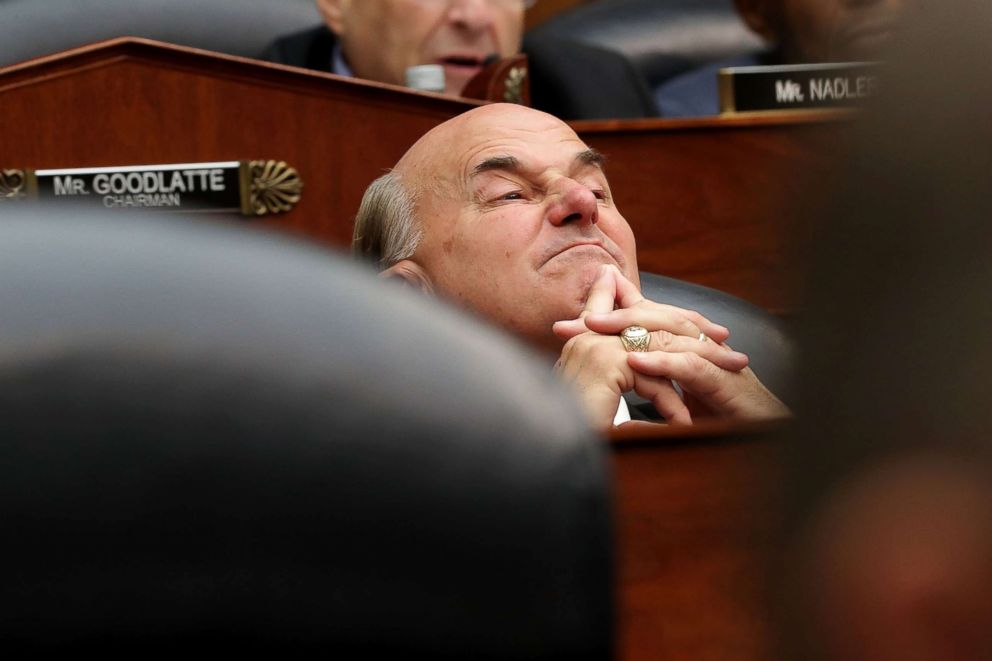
pixel 573 203
pixel 471 14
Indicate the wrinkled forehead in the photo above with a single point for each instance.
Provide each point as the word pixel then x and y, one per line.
pixel 449 154
pixel 536 148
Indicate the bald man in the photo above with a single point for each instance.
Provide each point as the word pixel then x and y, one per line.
pixel 506 212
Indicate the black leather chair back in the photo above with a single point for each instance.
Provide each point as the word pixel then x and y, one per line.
pixel 661 38
pixel 29 28
pixel 222 441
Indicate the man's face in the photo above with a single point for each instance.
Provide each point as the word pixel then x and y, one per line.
pixel 517 217
pixel 826 30
pixel 382 38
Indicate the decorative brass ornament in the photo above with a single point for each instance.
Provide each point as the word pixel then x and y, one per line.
pixel 13 184
pixel 515 85
pixel 274 187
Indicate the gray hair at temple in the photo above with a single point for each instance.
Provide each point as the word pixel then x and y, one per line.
pixel 386 230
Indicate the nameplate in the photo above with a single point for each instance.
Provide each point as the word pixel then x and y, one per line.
pixel 252 188
pixel 796 87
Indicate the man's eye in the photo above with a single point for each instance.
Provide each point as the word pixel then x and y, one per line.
pixel 512 195
pixel 600 194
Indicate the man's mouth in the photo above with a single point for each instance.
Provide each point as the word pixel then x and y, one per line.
pixel 583 245
pixel 462 62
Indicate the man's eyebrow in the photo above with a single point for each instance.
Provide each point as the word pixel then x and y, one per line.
pixel 511 163
pixel 591 157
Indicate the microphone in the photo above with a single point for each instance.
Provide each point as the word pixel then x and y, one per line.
pixel 426 77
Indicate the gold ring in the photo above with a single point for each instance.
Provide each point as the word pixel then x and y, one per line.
pixel 702 337
pixel 635 338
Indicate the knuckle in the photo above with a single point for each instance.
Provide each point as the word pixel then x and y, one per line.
pixel 572 346
pixel 589 344
pixel 696 318
pixel 664 339
pixel 688 328
pixel 696 363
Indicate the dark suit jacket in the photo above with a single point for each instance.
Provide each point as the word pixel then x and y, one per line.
pixel 568 79
pixel 696 93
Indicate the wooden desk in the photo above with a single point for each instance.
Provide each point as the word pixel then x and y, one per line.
pixel 134 101
pixel 697 511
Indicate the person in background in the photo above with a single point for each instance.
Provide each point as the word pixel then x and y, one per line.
pixel 380 39
pixel 888 548
pixel 504 211
pixel 797 32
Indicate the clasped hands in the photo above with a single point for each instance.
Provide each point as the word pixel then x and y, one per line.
pixel 714 379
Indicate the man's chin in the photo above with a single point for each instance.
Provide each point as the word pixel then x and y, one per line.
pixel 577 291
pixel 587 275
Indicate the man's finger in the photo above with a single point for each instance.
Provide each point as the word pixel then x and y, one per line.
pixel 612 323
pixel 602 294
pixel 722 357
pixel 692 372
pixel 627 294
pixel 666 400
pixel 735 394
pixel 569 328
pixel 714 331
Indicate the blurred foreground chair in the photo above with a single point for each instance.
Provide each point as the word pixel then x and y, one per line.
pixel 29 28
pixel 661 38
pixel 215 440
pixel 887 548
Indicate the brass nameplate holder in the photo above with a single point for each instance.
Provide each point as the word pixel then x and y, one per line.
pixel 252 188
pixel 501 80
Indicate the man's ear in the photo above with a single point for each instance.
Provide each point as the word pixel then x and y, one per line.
pixel 412 274
pixel 333 12
pixel 758 14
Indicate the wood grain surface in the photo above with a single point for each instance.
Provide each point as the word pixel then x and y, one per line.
pixel 697 512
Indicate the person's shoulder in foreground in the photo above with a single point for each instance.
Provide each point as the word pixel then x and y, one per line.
pixel 504 211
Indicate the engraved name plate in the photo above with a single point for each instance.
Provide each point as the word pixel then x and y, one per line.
pixel 252 188
pixel 797 87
